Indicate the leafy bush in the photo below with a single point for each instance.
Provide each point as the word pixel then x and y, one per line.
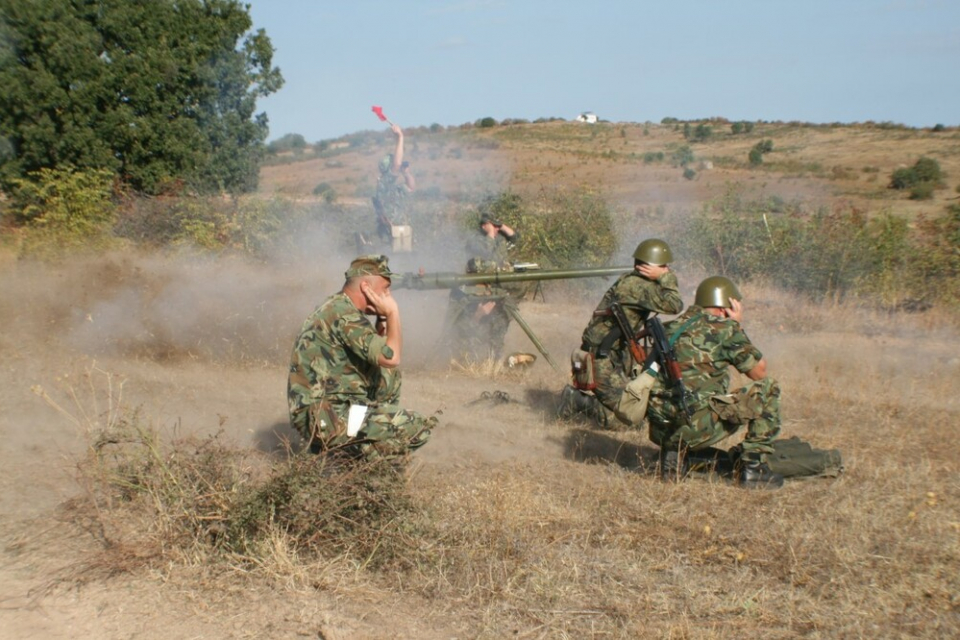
pixel 828 253
pixel 924 170
pixel 249 225
pixel 288 142
pixel 653 156
pixel 486 123
pixel 938 260
pixel 65 209
pixel 922 191
pixel 558 229
pixel 682 156
pixel 325 191
pixel 755 157
pixel 702 133
pixel 689 173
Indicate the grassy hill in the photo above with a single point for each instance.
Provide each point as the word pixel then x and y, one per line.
pixel 632 164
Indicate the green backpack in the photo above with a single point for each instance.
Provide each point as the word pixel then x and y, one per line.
pixel 794 458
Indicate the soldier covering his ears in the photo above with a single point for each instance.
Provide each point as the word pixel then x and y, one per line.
pixel 344 380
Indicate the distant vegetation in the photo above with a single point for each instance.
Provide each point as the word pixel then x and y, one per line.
pixel 833 254
pixel 838 252
pixel 921 179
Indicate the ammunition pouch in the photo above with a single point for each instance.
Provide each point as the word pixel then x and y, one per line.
pixel 634 399
pixel 583 370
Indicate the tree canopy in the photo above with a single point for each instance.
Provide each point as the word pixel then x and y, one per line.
pixel 160 92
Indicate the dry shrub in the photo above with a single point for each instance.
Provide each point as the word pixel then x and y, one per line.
pixel 326 508
pixel 149 500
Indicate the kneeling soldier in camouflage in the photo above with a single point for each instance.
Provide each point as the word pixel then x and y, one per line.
pixel 344 382
pixel 707 339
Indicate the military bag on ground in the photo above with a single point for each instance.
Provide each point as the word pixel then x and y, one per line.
pixel 794 458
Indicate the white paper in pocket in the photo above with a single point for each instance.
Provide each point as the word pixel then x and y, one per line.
pixel 355 418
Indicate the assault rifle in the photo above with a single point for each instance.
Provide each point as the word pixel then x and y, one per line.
pixel 666 358
pixel 525 272
pixel 631 337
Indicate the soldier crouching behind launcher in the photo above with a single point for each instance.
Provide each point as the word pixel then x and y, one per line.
pixel 479 315
pixel 344 382
pixel 707 339
pixel 604 357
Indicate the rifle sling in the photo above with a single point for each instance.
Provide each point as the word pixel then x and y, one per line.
pixel 676 334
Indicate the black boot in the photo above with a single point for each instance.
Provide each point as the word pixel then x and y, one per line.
pixel 753 474
pixel 574 402
pixel 674 466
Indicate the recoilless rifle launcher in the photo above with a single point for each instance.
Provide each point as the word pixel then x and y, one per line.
pixel 525 272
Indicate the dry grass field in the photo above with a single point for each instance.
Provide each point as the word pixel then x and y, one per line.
pixel 517 525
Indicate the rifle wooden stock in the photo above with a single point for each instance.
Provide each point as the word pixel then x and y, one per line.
pixel 630 337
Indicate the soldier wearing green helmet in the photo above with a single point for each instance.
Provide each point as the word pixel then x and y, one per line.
pixel 651 287
pixel 708 339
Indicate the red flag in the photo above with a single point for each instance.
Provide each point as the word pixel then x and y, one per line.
pixel 379 111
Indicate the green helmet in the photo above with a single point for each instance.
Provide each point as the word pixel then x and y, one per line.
pixel 653 251
pixel 386 162
pixel 716 291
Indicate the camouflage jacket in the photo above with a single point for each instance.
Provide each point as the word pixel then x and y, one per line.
pixel 490 253
pixel 704 350
pixel 390 196
pixel 632 290
pixel 335 358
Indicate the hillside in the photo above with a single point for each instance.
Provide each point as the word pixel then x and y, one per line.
pixel 820 165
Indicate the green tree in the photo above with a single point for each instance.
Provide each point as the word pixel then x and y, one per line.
pixel 161 93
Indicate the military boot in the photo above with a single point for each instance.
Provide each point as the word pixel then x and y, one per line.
pixel 674 466
pixel 753 474
pixel 574 402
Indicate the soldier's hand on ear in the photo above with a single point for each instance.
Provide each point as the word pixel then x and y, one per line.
pixel 735 311
pixel 652 271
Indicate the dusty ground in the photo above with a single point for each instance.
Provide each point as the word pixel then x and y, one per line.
pixel 200 346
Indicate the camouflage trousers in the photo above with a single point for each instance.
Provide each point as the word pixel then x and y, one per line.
pixel 473 336
pixel 755 406
pixel 387 430
pixel 611 379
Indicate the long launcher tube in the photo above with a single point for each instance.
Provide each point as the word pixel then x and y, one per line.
pixel 426 281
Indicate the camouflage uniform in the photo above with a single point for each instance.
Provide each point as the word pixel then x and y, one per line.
pixel 612 362
pixel 333 366
pixel 389 200
pixel 705 348
pixel 483 337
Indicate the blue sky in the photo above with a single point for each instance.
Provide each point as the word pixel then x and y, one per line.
pixel 457 61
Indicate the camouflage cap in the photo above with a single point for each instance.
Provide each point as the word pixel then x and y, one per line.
pixel 369 265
